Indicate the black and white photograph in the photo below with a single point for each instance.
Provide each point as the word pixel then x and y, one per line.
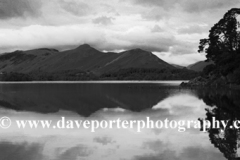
pixel 119 79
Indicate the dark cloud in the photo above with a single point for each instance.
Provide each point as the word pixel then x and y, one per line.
pixel 75 7
pixel 188 5
pixel 199 6
pixel 20 151
pixel 104 20
pixel 19 8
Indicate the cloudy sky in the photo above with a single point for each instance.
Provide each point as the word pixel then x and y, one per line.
pixel 170 29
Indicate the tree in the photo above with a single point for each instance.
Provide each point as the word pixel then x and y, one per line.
pixel 223 39
pixel 223 106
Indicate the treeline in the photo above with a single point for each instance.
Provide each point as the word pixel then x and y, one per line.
pixel 228 67
pixel 68 75
pixel 150 74
pixel 123 74
pixel 223 48
pixel 14 76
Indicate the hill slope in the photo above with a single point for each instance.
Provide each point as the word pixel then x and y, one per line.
pixel 85 63
pixel 198 66
pixel 135 58
pixel 177 66
pixel 84 58
pixel 26 61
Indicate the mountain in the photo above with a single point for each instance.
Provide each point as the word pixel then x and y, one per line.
pixel 83 62
pixel 83 58
pixel 177 66
pixel 135 58
pixel 198 66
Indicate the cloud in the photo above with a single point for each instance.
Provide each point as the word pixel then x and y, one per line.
pixel 19 8
pixel 179 59
pixel 139 37
pixel 154 145
pixel 155 14
pixel 75 7
pixel 205 5
pixel 183 48
pixel 37 36
pixel 167 26
pixel 103 20
pixel 103 140
pixel 193 29
pixel 157 28
pixel 165 155
pixel 74 153
pixel 188 5
pixel 160 3
pixel 198 153
pixel 109 9
pixel 20 151
pixel 189 153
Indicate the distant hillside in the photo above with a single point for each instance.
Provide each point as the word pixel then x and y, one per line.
pixel 198 66
pixel 177 66
pixel 135 58
pixel 81 63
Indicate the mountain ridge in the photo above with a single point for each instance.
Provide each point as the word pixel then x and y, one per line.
pixel 198 66
pixel 85 60
pixel 83 57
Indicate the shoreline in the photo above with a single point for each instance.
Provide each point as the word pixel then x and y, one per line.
pixel 211 86
pixel 101 81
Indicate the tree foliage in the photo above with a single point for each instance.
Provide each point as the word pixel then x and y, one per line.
pixel 223 47
pixel 224 37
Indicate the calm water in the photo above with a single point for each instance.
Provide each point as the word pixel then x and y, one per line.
pixel 110 101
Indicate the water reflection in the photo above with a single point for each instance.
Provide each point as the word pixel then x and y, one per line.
pixel 105 102
pixel 84 99
pixel 225 105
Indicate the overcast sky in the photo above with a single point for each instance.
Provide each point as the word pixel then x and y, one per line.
pixel 170 29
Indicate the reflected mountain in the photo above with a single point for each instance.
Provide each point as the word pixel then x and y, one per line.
pixel 103 101
pixel 225 105
pixel 82 98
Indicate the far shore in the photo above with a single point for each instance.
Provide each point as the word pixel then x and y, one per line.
pixel 103 81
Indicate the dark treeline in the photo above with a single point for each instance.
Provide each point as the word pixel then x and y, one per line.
pixel 72 75
pixel 14 76
pixel 150 74
pixel 223 48
pixel 123 74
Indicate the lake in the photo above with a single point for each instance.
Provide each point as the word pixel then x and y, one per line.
pixel 158 100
